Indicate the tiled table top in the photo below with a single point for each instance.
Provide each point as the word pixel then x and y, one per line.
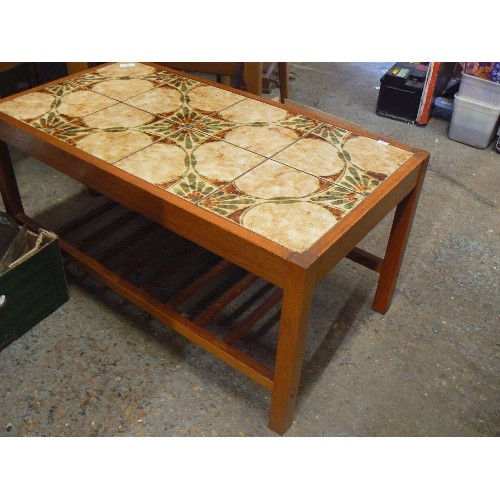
pixel 282 175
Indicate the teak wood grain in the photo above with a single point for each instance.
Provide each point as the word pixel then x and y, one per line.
pixel 295 273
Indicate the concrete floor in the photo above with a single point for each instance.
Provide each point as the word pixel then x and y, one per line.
pixel 430 367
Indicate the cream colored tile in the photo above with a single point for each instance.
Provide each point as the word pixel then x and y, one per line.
pixel 28 106
pixel 273 180
pixel 83 102
pixel 158 164
pixel 119 70
pixel 264 140
pixel 312 155
pixel 160 100
pixel 210 99
pixel 119 115
pixel 250 111
pixel 222 162
pixel 295 226
pixel 113 146
pixel 375 156
pixel 122 89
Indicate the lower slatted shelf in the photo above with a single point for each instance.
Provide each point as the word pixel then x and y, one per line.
pixel 177 282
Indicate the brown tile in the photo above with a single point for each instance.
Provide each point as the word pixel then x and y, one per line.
pixel 296 226
pixel 312 155
pixel 257 126
pixel 190 173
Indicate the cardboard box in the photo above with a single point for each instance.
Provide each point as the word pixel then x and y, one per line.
pixel 32 288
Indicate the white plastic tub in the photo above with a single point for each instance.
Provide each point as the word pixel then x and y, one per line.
pixel 485 91
pixel 473 122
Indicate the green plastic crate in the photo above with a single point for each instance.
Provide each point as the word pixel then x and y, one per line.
pixel 33 288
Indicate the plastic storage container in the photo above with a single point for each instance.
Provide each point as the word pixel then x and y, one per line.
pixel 473 122
pixel 485 91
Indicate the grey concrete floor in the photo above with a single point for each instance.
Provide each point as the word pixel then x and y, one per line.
pixel 430 367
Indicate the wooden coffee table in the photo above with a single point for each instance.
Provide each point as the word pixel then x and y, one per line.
pixel 282 193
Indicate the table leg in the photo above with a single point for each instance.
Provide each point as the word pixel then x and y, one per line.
pixel 295 312
pixel 8 183
pixel 396 246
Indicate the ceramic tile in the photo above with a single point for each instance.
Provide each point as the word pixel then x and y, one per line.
pixel 282 175
pixel 73 114
pixel 259 127
pixel 356 162
pixel 192 170
pixel 126 70
pixel 112 146
pixel 29 106
pixel 118 116
pixel 63 101
pixel 121 82
pixel 193 98
pixel 283 204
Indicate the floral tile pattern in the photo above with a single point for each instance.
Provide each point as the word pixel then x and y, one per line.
pixel 352 161
pixel 190 164
pixel 283 204
pixel 279 174
pixel 257 126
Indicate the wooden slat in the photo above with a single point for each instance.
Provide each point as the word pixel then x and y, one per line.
pixel 105 230
pixel 89 216
pixel 127 240
pixel 199 283
pixel 152 252
pixel 236 290
pixel 366 259
pixel 222 350
pixel 239 330
pixel 174 268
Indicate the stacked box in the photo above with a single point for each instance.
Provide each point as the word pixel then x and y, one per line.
pixel 476 112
